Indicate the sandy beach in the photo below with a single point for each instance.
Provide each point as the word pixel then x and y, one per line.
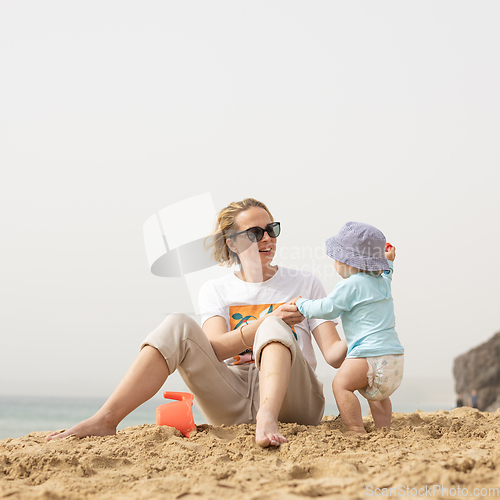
pixel 422 455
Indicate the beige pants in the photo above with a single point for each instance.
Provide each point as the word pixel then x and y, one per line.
pixel 229 394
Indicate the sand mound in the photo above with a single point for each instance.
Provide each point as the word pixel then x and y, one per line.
pixel 458 450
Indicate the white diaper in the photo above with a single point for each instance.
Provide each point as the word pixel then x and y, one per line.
pixel 384 376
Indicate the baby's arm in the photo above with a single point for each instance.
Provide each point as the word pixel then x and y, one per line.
pixel 334 350
pixel 330 307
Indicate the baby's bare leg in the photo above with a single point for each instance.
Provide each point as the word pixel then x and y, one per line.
pixel 351 376
pixel 381 412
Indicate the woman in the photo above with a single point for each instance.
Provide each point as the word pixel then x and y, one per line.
pixel 251 311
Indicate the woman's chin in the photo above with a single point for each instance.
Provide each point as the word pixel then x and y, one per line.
pixel 266 258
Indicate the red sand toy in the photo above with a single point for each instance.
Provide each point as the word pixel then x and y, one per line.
pixel 388 246
pixel 178 414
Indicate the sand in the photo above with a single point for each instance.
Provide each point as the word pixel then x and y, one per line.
pixel 421 455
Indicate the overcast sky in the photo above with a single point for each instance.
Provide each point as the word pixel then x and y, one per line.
pixel 384 112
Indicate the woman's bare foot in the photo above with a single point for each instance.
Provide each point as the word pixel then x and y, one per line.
pixel 355 431
pixel 267 432
pixel 93 426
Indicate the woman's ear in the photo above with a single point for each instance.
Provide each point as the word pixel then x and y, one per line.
pixel 231 245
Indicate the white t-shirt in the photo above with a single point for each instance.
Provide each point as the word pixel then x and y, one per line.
pixel 240 302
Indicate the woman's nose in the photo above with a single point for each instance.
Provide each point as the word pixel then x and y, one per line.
pixel 266 236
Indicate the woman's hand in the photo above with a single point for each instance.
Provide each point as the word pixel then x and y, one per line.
pixel 289 313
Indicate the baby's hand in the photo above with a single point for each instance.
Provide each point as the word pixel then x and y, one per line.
pixel 289 313
pixel 294 301
pixel 390 252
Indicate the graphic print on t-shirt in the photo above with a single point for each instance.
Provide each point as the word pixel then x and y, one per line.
pixel 243 314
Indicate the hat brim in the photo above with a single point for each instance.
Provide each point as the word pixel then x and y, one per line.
pixel 353 259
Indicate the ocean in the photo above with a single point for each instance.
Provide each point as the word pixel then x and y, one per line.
pixel 20 416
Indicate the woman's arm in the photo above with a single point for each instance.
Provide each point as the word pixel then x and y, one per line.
pixel 228 344
pixel 334 349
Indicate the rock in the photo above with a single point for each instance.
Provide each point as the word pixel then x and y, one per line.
pixel 494 406
pixel 479 369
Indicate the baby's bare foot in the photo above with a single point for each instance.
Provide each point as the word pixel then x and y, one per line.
pixel 93 426
pixel 267 431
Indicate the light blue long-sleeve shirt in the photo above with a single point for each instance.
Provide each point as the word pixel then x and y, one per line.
pixel 364 303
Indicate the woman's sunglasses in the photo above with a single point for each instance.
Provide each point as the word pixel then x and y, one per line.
pixel 257 233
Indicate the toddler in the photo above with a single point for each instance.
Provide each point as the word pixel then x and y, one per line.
pixel 363 300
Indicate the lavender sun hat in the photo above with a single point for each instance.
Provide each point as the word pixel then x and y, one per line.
pixel 359 245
